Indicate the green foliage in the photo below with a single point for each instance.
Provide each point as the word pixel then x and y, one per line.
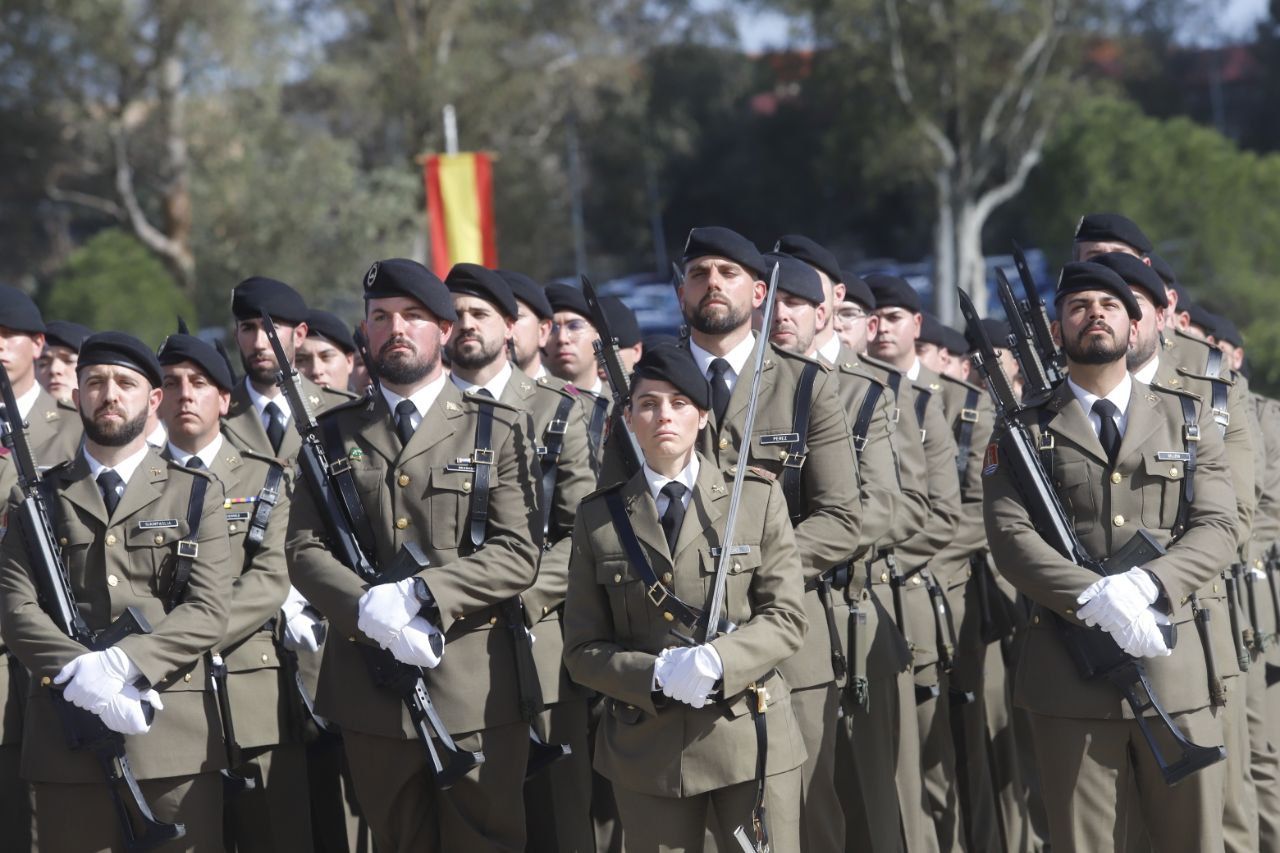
pixel 1208 206
pixel 113 283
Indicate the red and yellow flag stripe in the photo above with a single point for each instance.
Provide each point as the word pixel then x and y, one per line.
pixel 460 210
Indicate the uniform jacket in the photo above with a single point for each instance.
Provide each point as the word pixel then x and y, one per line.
pixel 113 565
pixel 1107 506
pixel 244 424
pixel 613 633
pixel 422 493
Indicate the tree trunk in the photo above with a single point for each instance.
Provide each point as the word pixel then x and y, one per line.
pixel 944 249
pixel 971 266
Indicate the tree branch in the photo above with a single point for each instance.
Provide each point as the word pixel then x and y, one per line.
pixel 1037 49
pixel 151 237
pixel 898 64
pixel 93 202
pixel 998 195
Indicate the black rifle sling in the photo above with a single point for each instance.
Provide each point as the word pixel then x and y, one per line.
pixel 188 549
pixel 964 431
pixel 595 426
pixel 797 452
pixel 340 475
pixel 268 495
pixel 658 594
pixel 1218 399
pixel 551 460
pixel 922 406
pixel 482 461
pixel 862 424
pixel 1045 443
pixel 1190 440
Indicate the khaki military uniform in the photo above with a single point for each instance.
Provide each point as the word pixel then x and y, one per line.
pixel 1100 783
pixel 557 800
pixel 1264 699
pixel 668 761
pixel 422 493
pixel 243 423
pixel 114 564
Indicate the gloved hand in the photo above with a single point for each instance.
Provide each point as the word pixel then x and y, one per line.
pixel 94 678
pixel 385 609
pixel 692 674
pixel 662 669
pixel 413 644
pixel 1257 573
pixel 302 631
pixel 124 712
pixel 1141 637
pixel 1116 600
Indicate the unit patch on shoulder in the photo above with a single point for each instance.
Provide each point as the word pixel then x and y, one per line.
pixel 991 460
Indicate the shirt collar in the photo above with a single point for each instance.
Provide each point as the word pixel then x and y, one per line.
pixel 913 373
pixel 830 351
pixel 737 357
pixel 1147 373
pixel 687 477
pixel 207 454
pixel 159 436
pixel 423 399
pixel 541 371
pixel 124 468
pixel 1119 396
pixel 260 401
pixel 27 401
pixel 494 386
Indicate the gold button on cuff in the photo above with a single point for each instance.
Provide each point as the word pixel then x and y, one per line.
pixel 466 487
pixel 46 681
pixel 666 577
pixel 159 539
pixel 265 658
pixel 1118 521
pixel 402 523
pixel 668 616
pixel 1115 477
pixel 112 580
pixel 403 480
pixel 111 539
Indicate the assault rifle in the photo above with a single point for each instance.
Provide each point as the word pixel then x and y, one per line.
pixel 1022 341
pixel 610 361
pixel 1094 652
pixel 350 539
pixel 84 731
pixel 1034 316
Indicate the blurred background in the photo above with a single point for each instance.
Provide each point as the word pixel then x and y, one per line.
pixel 153 153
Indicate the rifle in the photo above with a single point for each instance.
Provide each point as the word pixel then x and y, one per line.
pixel 1036 318
pixel 334 491
pixel 1026 349
pixel 610 361
pixel 1094 652
pixel 83 730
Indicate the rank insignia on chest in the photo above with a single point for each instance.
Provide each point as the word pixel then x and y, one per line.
pixel 50 416
pixel 315 401
pixel 991 460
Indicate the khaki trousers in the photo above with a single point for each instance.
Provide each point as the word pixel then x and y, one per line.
pixel 274 817
pixel 867 745
pixel 821 817
pixel 557 801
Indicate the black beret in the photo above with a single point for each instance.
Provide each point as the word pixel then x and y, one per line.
pixel 1204 318
pixel 796 277
pixel 62 333
pixel 475 280
pixel 955 342
pixel 527 291
pixel 322 324
pixel 674 364
pixel 1112 228
pixel 403 277
pixel 997 332
pixel 178 348
pixel 622 321
pixel 121 350
pixel 724 243
pixel 893 292
pixel 931 331
pixel 566 297
pixel 1184 297
pixel 812 253
pixel 856 290
pixel 1228 331
pixel 18 312
pixel 282 303
pixel 1136 274
pixel 1084 275
pixel 1162 268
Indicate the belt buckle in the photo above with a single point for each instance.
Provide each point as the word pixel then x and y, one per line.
pixel 859 443
pixel 794 460
pixel 1222 416
pixel 969 416
pixel 188 549
pixel 482 456
pixel 558 427
pixel 1191 432
pixel 658 587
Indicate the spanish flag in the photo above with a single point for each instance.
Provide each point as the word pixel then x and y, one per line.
pixel 460 210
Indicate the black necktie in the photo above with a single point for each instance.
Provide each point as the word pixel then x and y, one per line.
pixel 405 410
pixel 112 486
pixel 1108 434
pixel 275 429
pixel 195 462
pixel 674 515
pixel 484 392
pixel 719 388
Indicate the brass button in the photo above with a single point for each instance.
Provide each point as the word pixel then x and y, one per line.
pixel 617 578
pixel 466 487
pixel 230 529
pixel 493 620
pixel 187 678
pixel 916 580
pixel 112 580
pixel 62 541
pixel 782 454
pixel 884 577
pixel 111 539
pixel 733 470
pixel 403 480
pixel 545 610
pixel 1070 611
pixel 1173 472
pixel 1118 521
pixel 1035 620
pixel 666 577
pixel 668 616
pixel 351 639
pixel 46 681
pixel 724 442
pixel 159 539
pixel 265 658
pixel 1185 599
pixel 1215 587
pixel 402 523
pixel 1115 477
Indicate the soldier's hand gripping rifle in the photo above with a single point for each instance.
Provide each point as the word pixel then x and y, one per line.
pixel 610 361
pixel 1094 652
pixel 350 538
pixel 83 730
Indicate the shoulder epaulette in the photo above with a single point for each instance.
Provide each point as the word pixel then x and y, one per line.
pixel 263 457
pixel 1227 378
pixel 605 489
pixel 68 405
pixel 1177 392
pixel 968 386
pixel 795 356
pixel 758 473
pixel 877 363
pixel 174 465
pixel 488 401
pixel 353 404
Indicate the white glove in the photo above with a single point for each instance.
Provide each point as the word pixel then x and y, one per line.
pixel 386 608
pixel 692 673
pixel 294 604
pixel 1141 637
pixel 1257 573
pixel 412 644
pixel 302 632
pixel 1116 600
pixel 662 669
pixel 94 678
pixel 124 713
